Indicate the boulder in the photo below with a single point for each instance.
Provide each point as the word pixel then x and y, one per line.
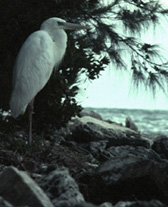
pixel 104 124
pixel 141 152
pixel 133 173
pixel 90 113
pixel 19 189
pixel 152 203
pixel 4 203
pixel 160 146
pixel 119 169
pixel 130 124
pixel 61 188
pixel 124 171
pixel 98 150
pixel 106 204
pixel 87 129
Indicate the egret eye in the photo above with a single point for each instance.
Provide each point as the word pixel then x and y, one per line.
pixel 60 23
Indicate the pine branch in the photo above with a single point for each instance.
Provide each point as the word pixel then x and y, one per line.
pixel 137 77
pixel 151 6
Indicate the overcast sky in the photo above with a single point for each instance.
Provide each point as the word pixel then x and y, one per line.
pixel 114 88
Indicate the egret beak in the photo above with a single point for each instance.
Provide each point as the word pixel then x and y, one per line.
pixel 75 26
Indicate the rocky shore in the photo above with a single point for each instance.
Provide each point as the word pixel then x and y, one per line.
pixel 90 163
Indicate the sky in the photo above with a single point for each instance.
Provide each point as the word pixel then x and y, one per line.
pixel 114 89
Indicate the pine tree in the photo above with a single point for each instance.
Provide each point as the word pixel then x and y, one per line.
pixel 115 26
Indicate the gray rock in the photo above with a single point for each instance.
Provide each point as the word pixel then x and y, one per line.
pixel 123 169
pixel 101 151
pixel 141 152
pixel 131 173
pixel 104 124
pixel 4 203
pixel 98 150
pixel 90 113
pixel 152 203
pixel 160 146
pixel 106 204
pixel 130 124
pixel 61 188
pixel 87 129
pixel 19 189
pixel 83 204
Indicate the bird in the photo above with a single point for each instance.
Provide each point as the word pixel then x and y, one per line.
pixel 41 52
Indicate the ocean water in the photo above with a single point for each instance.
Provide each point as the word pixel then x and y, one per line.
pixel 147 121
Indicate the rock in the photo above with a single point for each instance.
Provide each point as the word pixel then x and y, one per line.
pixel 83 204
pixel 61 188
pixel 152 203
pixel 110 163
pixel 123 168
pixel 141 152
pixel 160 146
pixel 90 113
pixel 136 174
pixel 19 189
pixel 102 152
pixel 128 140
pixel 106 204
pixel 87 129
pixel 130 124
pixel 136 164
pixel 4 203
pixel 98 150
pixel 104 124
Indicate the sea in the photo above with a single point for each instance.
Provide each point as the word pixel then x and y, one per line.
pixel 147 121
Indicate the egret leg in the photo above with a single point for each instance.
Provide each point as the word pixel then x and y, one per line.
pixel 30 108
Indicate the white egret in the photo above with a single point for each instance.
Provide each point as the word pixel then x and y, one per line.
pixel 40 53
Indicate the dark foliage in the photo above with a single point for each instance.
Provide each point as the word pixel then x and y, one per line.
pixel 88 52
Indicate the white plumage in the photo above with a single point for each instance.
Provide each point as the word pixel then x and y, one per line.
pixel 34 64
pixel 42 50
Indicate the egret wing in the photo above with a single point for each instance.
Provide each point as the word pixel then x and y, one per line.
pixel 32 70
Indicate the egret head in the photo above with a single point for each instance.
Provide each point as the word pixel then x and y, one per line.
pixel 58 23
